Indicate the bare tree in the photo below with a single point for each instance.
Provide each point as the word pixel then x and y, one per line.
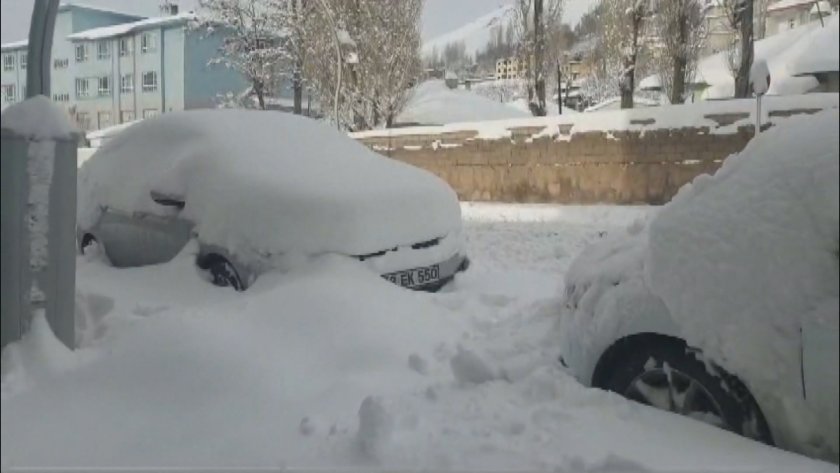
pixel 681 31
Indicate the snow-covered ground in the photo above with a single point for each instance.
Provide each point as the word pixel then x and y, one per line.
pixel 327 365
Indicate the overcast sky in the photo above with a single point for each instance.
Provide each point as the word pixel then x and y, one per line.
pixel 440 16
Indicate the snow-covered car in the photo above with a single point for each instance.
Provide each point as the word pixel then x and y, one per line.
pixel 723 305
pixel 260 191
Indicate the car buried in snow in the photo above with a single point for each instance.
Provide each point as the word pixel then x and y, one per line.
pixel 257 189
pixel 723 306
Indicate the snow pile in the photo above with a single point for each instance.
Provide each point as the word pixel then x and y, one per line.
pixel 99 137
pixel 241 376
pixel 614 103
pixel 432 103
pixel 37 118
pixel 261 184
pixel 329 367
pixel 739 258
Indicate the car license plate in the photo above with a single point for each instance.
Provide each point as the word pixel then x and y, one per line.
pixel 415 277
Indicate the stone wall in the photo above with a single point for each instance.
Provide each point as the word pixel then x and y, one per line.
pixel 632 166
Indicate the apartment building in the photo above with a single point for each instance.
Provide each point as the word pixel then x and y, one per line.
pixel 110 68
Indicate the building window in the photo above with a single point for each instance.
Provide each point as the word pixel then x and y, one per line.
pixel 147 42
pixel 8 62
pixel 125 46
pixel 9 93
pixel 150 81
pixel 103 119
pixel 127 83
pixel 82 88
pixel 23 59
pixel 83 120
pixel 103 50
pixel 81 52
pixel 149 112
pixel 104 85
pixel 61 63
pixel 126 116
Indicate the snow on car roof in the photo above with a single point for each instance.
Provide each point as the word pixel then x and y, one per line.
pixel 260 183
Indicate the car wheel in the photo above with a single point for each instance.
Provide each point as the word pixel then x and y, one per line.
pixel 668 376
pixel 91 248
pixel 223 274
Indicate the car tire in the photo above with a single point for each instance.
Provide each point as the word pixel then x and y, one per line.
pixel 91 248
pixel 223 274
pixel 667 375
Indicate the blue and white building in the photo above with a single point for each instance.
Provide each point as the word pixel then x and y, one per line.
pixel 109 67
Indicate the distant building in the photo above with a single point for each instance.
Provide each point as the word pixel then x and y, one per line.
pixel 784 15
pixel 511 68
pixel 110 68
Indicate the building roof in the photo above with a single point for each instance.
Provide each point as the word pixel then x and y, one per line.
pixel 67 5
pixel 14 45
pixel 125 28
pixel 790 4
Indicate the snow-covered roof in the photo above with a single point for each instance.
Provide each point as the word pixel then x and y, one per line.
pixel 14 45
pixel 788 4
pixel 67 4
pixel 125 28
pixel 823 51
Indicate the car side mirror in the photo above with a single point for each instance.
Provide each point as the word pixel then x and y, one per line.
pixel 167 200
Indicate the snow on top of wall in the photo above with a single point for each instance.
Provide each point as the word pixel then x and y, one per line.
pixel 125 28
pixel 665 117
pixel 37 118
pixel 615 102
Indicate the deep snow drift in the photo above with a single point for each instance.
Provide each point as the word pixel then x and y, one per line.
pixel 330 366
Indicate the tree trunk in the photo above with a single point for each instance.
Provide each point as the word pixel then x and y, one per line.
pixel 539 47
pixel 297 84
pixel 742 78
pixel 680 62
pixel 559 91
pixel 678 86
pixel 628 81
pixel 260 92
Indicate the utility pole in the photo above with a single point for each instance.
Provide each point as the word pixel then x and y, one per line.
pixel 38 200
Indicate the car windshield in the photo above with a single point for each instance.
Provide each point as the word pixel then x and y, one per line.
pixel 420 235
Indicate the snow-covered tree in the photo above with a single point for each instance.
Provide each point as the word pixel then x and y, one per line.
pixel 379 63
pixel 681 32
pixel 536 24
pixel 622 37
pixel 251 42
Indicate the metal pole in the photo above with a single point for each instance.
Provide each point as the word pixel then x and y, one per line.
pixel 40 47
pixel 758 115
